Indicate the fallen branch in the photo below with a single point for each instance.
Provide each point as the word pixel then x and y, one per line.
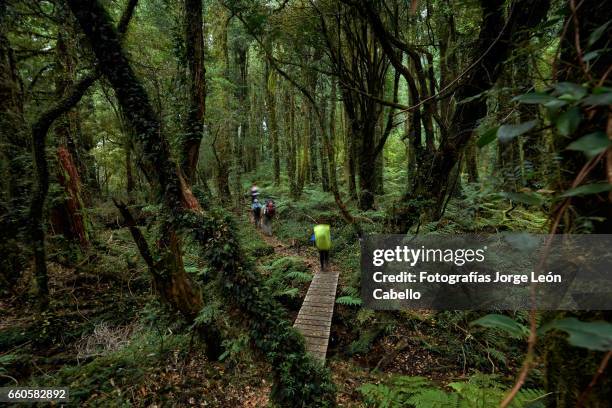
pixel 139 239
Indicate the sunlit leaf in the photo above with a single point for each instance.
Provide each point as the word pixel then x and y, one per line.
pixel 487 137
pixel 588 189
pixel 598 99
pixel 597 33
pixel 555 104
pixel 589 335
pixel 570 91
pixel 568 122
pixel 601 90
pixel 591 144
pixel 504 323
pixel 506 133
pixel 533 98
pixel 591 55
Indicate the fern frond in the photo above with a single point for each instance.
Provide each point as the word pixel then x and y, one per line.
pixel 289 292
pixel 350 291
pixel 349 301
pixel 299 276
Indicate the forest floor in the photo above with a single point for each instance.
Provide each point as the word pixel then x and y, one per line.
pixel 107 337
pixel 401 352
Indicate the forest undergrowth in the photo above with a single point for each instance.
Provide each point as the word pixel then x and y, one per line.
pixel 111 350
pixel 135 136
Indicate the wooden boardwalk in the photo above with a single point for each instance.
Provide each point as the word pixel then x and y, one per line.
pixel 315 316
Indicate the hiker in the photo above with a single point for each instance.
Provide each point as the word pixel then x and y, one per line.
pixel 322 240
pixel 256 208
pixel 269 211
pixel 254 192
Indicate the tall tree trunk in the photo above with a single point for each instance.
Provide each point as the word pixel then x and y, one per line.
pixel 379 164
pixel 39 131
pixel 289 102
pixel 471 162
pixel 492 50
pixel 313 144
pixel 366 163
pixel 299 380
pixel 16 169
pixel 129 176
pixel 254 130
pixel 196 86
pixel 331 152
pixel 242 128
pixel 272 121
pixel 507 167
pixel 323 155
pixel 221 145
pixel 86 144
pixel 304 150
pixel 171 280
pixel 350 153
pixel 410 153
pixel 68 215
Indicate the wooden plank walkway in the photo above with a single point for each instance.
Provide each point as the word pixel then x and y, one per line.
pixel 315 316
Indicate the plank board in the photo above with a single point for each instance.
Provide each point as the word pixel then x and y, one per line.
pixel 314 318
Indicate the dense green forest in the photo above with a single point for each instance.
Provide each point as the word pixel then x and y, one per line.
pixel 133 134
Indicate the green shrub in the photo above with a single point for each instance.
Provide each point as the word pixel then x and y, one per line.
pixel 480 391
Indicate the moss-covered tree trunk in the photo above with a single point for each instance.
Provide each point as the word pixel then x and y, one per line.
pixel 471 162
pixel 324 140
pixel 15 167
pixel 290 140
pixel 196 89
pixel 223 134
pixel 272 122
pixel 492 49
pixel 68 215
pixel 349 158
pixel 172 282
pixel 331 142
pixel 299 380
pixel 240 52
pixel 304 149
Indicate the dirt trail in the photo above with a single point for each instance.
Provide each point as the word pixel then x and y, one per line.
pixel 308 254
pixel 317 309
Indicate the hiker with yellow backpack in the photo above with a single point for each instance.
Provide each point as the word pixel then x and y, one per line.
pixel 322 240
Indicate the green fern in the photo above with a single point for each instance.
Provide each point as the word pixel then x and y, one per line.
pixel 410 384
pixel 299 276
pixel 6 361
pixel 208 313
pixel 529 398
pixel 289 292
pixel 433 398
pixel 349 301
pixel 480 391
pixel 497 355
pixel 364 316
pixel 350 291
pixel 379 395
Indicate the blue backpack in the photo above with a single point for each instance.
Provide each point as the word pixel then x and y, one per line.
pixel 256 206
